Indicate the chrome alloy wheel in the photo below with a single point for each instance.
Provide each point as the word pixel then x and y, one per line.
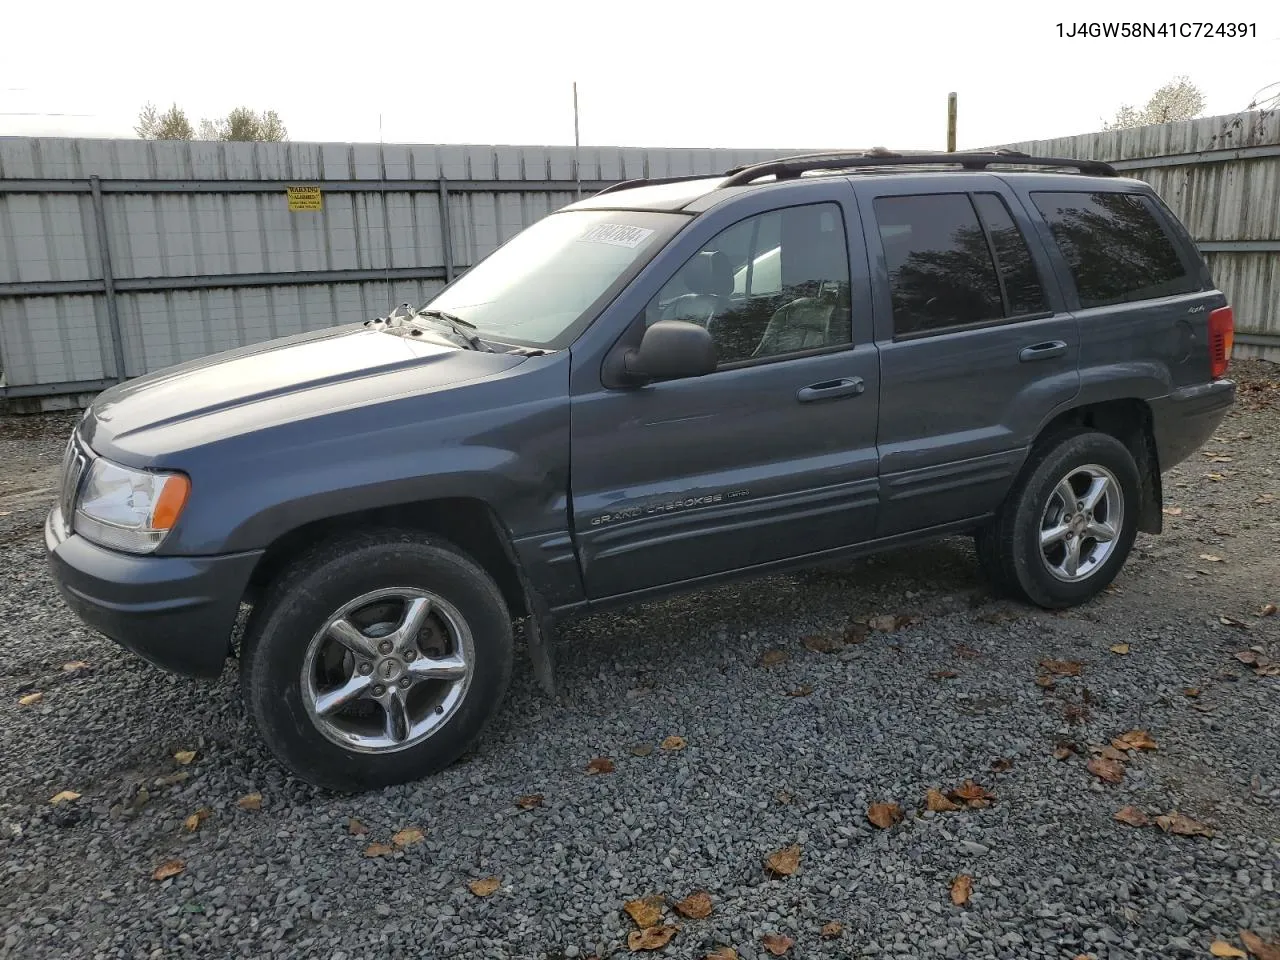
pixel 387 670
pixel 1081 522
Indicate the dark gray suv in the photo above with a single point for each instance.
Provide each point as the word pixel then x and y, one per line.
pixel 665 385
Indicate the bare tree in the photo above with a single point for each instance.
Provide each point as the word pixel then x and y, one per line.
pixel 1179 99
pixel 170 125
pixel 242 123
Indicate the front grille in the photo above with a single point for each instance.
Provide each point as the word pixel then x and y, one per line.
pixel 74 462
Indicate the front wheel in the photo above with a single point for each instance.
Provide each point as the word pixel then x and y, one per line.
pixel 376 660
pixel 1068 525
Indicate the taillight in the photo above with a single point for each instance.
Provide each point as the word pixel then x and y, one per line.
pixel 1222 332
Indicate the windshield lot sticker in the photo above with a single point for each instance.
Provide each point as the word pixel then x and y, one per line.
pixel 617 234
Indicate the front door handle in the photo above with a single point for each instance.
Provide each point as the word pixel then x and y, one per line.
pixel 1043 351
pixel 831 389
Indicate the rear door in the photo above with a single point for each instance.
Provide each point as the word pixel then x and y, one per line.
pixel 772 455
pixel 977 350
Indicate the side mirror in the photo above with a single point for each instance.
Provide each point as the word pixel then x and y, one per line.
pixel 670 350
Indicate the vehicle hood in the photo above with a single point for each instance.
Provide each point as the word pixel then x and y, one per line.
pixel 277 381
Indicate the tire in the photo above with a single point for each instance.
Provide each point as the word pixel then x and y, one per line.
pixel 402 686
pixel 1011 547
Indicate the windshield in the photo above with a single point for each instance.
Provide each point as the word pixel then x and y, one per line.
pixel 536 287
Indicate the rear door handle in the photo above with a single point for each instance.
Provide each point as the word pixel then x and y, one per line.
pixel 831 389
pixel 1043 351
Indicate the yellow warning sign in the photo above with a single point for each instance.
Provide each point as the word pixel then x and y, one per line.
pixel 304 198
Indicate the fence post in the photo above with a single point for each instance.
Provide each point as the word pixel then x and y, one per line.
pixel 446 234
pixel 108 278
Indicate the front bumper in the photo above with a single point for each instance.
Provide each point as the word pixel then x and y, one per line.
pixel 1184 420
pixel 176 612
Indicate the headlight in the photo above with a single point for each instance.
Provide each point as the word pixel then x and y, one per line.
pixel 130 510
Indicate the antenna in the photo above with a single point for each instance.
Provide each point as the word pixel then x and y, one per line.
pixel 577 155
pixel 386 214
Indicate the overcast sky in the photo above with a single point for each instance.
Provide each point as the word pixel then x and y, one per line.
pixel 653 73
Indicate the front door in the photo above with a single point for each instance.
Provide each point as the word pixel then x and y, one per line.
pixel 977 348
pixel 771 456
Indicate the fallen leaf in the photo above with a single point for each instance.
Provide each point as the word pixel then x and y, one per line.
pixel 192 823
pixel 1215 477
pixel 801 691
pixel 1063 668
pixel 1112 771
pixel 884 815
pixel 529 801
pixel 722 953
pixel 782 796
pixel 972 794
pixel 831 930
pixel 1001 764
pixel 1120 648
pixel 640 749
pixel 771 658
pixel 961 887
pixel 599 765
pixel 651 938
pixel 250 801
pixel 485 887
pixel 696 906
pixel 1172 511
pixel 30 699
pixel 1211 557
pixel 170 868
pixel 406 837
pixel 1132 816
pixel 963 650
pixel 784 862
pixel 889 622
pixel 1267 670
pixel 1220 948
pixel 1233 622
pixel 173 779
pixel 1046 681
pixel 1265 498
pixel 64 796
pixel 1258 947
pixel 1062 753
pixel 1182 825
pixel 379 849
pixel 1249 657
pixel 935 801
pixel 184 757
pixel 356 828
pixel 1134 740
pixel 674 742
pixel 822 643
pixel 944 674
pixel 1268 610
pixel 73 666
pixel 1191 691
pixel 776 943
pixel 646 911
pixel 1217 458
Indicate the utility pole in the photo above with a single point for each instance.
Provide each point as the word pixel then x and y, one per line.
pixel 951 123
pixel 577 160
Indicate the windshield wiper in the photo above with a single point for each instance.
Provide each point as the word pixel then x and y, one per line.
pixel 461 328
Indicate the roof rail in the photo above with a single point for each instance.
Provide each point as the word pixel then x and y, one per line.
pixel 651 181
pixel 788 168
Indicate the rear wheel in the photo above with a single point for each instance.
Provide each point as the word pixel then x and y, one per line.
pixel 376 660
pixel 1068 525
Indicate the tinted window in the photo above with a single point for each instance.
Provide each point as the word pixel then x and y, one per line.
pixel 771 285
pixel 1022 289
pixel 940 269
pixel 1115 247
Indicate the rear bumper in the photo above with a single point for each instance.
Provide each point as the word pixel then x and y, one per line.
pixel 1185 419
pixel 176 612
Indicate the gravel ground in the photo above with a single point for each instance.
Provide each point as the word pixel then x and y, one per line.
pixel 1053 875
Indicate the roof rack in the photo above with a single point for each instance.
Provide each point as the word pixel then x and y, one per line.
pixel 651 181
pixel 788 168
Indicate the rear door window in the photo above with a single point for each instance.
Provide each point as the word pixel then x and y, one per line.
pixel 1115 246
pixel 1017 270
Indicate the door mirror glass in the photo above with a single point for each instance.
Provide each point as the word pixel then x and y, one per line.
pixel 670 350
